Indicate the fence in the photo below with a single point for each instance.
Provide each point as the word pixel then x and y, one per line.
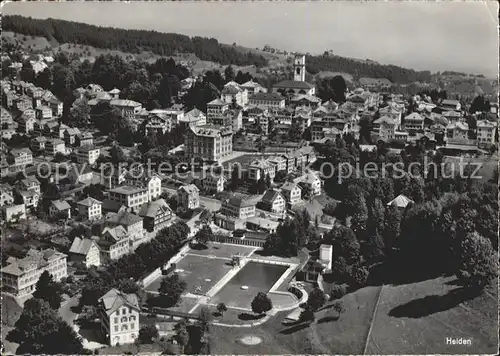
pixel 246 242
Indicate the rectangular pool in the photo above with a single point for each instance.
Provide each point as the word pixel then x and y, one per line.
pixel 259 277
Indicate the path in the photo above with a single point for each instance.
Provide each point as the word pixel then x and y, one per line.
pixel 368 336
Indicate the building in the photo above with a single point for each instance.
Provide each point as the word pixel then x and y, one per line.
pixel 119 315
pixel 195 117
pixel 87 154
pixel 273 201
pixel 315 267
pixel 156 215
pixel 158 122
pixel 385 126
pixel 55 146
pixel 6 197
pixel 90 208
pixel 20 275
pixel 260 169
pixel 448 104
pixel 129 196
pixel 298 85
pixel 267 100
pixel 279 163
pixel 238 207
pixel 132 223
pixel 214 183
pixel 292 193
pixel 113 243
pixel 311 183
pixel 188 197
pixel 22 157
pixel 30 198
pixel 30 183
pixel 486 132
pixel 457 132
pixel 414 121
pixel 43 113
pixel 209 143
pixel 38 143
pixel 85 139
pixel 128 108
pixel 149 180
pixel 400 202
pixel 70 135
pixel 86 251
pixel 233 93
pixel 253 87
pixel 59 208
pixel 13 213
pixel 216 108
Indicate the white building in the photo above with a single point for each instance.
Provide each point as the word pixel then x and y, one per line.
pixel 119 314
pixel 20 275
pixel 90 208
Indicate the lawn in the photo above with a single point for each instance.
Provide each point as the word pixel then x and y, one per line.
pixel 327 335
pixel 417 318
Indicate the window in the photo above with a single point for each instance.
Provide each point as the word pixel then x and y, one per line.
pixel 124 327
pixel 116 328
pixel 118 312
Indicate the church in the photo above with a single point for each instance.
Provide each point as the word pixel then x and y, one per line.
pixel 298 85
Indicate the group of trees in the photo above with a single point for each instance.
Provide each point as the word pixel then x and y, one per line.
pixel 292 235
pixel 134 41
pixel 123 272
pixel 452 220
pixel 332 88
pixel 39 329
pixel 395 74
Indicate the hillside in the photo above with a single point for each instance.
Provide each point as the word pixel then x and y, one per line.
pixel 133 41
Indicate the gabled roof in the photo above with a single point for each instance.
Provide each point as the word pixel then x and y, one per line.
pixel 151 209
pixel 123 218
pixel 414 116
pixel 401 201
pixel 81 246
pixel 293 84
pixel 485 123
pixel 190 188
pixel 385 119
pixel 270 196
pixel 60 205
pixel 114 299
pixel 116 233
pixel 89 201
pixel 289 186
pixel 260 164
pixel 217 102
pixel 240 202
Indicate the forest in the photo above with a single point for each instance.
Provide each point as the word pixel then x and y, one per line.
pixel 133 41
pixel 395 74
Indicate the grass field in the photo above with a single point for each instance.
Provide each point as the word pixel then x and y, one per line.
pixel 417 318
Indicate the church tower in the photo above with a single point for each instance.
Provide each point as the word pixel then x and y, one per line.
pixel 299 68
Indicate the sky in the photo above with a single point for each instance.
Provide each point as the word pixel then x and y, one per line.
pixel 423 35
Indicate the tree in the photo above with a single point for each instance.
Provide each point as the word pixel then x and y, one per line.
pixel 79 114
pixel 338 306
pixel 117 154
pixel 49 290
pixel 205 318
pixel 204 235
pixel 171 288
pixel 229 73
pixel 221 308
pixel 478 261
pixel 261 304
pixel 206 217
pixel 268 181
pixel 235 177
pixel 181 334
pixel 294 133
pixel 44 79
pixel 147 334
pixel 40 331
pixel 307 315
pixel 332 88
pixel 316 299
pixel 27 73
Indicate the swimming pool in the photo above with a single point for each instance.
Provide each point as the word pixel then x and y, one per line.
pixel 259 277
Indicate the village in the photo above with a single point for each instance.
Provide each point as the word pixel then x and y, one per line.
pixel 222 217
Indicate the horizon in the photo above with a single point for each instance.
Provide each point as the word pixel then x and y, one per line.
pixel 416 35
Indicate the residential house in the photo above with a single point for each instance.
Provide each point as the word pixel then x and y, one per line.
pixel 38 143
pixel 253 87
pixel 452 116
pixel 119 315
pixel 8 132
pixel 157 122
pixel 156 215
pixel 400 202
pixel 486 132
pixel 238 207
pixel 43 113
pixel 29 183
pixel 20 275
pixel 267 100
pixel 90 208
pixel 30 198
pixel 414 121
pixel 292 193
pixel 84 139
pixel 70 135
pixel 273 201
pixel 113 243
pixel 194 117
pixel 13 213
pixel 208 143
pixel 457 132
pixel 279 163
pixel 56 106
pixel 129 196
pixel 87 154
pixel 86 251
pixel 54 146
pixel 188 197
pixel 6 196
pixel 260 169
pixel 26 123
pixel 127 108
pixel 113 177
pixel 448 104
pixel 6 117
pixel 216 108
pixel 59 208
pixel 132 223
pixel 232 93
pixel 151 181
pixel 214 183
pixel 311 184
